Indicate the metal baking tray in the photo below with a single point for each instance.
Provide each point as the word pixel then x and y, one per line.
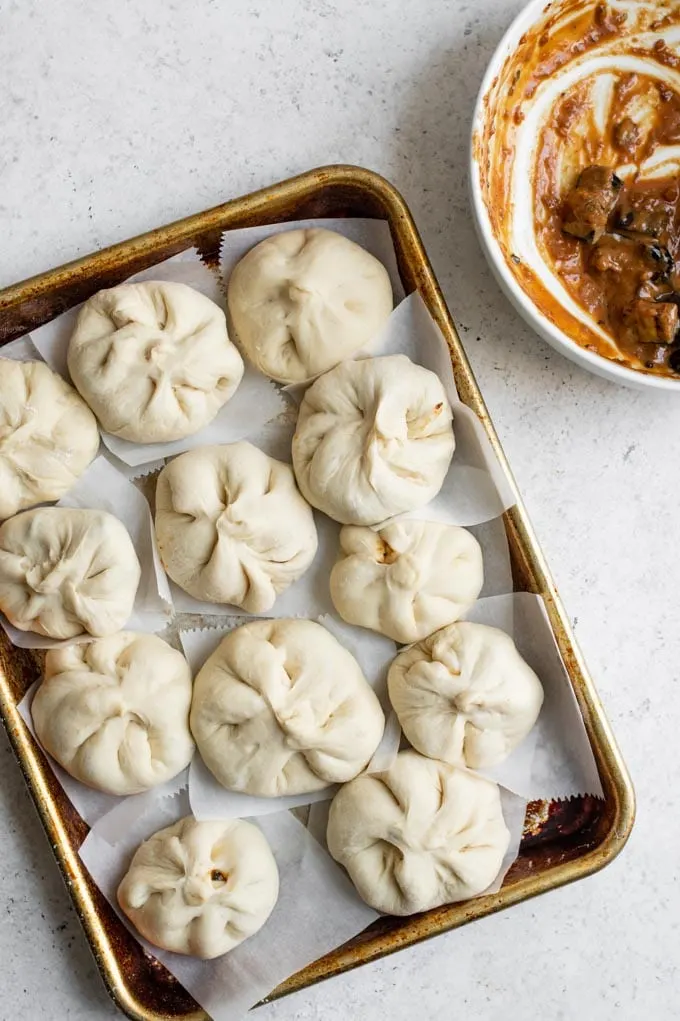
pixel 563 841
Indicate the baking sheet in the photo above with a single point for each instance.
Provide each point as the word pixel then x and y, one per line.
pixel 106 821
pixel 256 399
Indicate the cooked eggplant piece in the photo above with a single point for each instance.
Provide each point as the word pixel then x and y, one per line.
pixel 643 218
pixel 656 290
pixel 647 261
pixel 589 204
pixel 655 322
pixel 660 259
pixel 598 176
pixel 613 254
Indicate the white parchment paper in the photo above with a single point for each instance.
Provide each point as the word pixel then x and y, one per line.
pixel 475 488
pixel 101 487
pixel 556 760
pixel 310 595
pixel 21 350
pixel 255 402
pixel 131 471
pixel 374 654
pixel 317 910
pixel 514 812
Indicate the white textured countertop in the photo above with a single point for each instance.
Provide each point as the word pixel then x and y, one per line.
pixel 117 117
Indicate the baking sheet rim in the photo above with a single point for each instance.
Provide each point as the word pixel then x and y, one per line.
pixel 261 207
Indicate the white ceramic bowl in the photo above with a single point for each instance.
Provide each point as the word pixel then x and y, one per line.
pixel 551 333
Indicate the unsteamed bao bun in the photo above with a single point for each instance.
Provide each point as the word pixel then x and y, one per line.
pixel 66 572
pixel 303 300
pixel 115 712
pixel 373 439
pixel 407 579
pixel 153 360
pixel 465 695
pixel 201 888
pixel 282 708
pixel 419 835
pixel 232 526
pixel 48 435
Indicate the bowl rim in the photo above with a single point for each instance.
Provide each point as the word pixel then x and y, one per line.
pixel 529 311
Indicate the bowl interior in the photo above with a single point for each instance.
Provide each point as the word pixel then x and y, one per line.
pixel 530 312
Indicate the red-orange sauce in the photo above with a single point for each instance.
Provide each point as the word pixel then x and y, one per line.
pixel 638 257
pixel 620 277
